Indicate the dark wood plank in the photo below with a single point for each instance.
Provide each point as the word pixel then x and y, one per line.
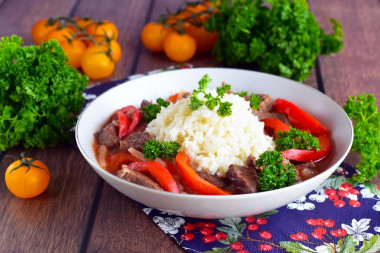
pixel 18 16
pixel 356 68
pixel 56 220
pixel 121 226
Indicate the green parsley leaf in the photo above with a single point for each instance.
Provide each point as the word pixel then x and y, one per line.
pixel 274 174
pixel 363 111
pixel 255 101
pixel 281 36
pixel 210 101
pixel 155 149
pixel 151 111
pixel 296 139
pixel 39 94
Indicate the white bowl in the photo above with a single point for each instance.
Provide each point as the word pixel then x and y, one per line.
pixel 167 83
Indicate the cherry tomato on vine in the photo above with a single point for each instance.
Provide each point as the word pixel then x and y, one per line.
pixel 83 22
pixel 40 30
pixel 99 30
pixel 205 40
pixel 115 49
pixel 96 63
pixel 60 34
pixel 153 35
pixel 27 177
pixel 74 51
pixel 179 47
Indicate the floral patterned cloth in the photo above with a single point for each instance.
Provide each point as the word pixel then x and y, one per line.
pixel 338 216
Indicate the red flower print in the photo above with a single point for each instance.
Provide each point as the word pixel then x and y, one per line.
pixel 265 247
pixel 237 246
pixel 329 223
pixel 265 234
pixel 299 236
pixel 189 226
pixel 221 236
pixel 262 221
pixel 187 236
pixel 320 230
pixel 317 235
pixel 250 219
pixel 208 239
pixel 253 227
pixel 206 231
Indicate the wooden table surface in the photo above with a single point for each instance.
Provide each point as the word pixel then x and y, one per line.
pixel 78 211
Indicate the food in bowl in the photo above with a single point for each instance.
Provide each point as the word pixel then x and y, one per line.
pixel 213 142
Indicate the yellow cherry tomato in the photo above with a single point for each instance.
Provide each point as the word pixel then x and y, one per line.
pixel 74 50
pixel 27 177
pixel 96 63
pixel 179 47
pixel 40 30
pixel 60 34
pixel 115 49
pixel 153 35
pixel 100 30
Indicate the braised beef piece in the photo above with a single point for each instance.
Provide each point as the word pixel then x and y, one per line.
pixel 266 103
pixel 140 127
pixel 136 177
pixel 243 179
pixel 251 161
pixel 214 179
pixel 273 115
pixel 305 171
pixel 108 136
pixel 265 109
pixel 134 140
pixel 145 103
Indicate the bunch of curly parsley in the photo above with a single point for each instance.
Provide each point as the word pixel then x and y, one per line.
pixel 281 36
pixel 39 94
pixel 363 111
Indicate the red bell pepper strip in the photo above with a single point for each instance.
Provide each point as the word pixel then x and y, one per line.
pixel 275 125
pixel 124 124
pixel 299 118
pixel 136 116
pixel 309 155
pixel 163 176
pixel 194 181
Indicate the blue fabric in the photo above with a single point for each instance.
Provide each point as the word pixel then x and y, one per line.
pixel 347 221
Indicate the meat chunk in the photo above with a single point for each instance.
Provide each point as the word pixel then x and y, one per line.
pixel 273 115
pixel 243 179
pixel 214 179
pixel 134 140
pixel 305 171
pixel 108 136
pixel 136 177
pixel 266 103
pixel 145 103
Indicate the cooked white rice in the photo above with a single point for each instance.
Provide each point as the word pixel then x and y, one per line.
pixel 212 142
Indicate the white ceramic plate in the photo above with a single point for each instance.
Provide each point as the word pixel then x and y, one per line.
pixel 167 83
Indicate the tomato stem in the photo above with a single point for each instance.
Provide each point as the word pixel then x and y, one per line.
pixel 24 162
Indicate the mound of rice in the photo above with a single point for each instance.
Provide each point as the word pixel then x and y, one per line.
pixel 212 142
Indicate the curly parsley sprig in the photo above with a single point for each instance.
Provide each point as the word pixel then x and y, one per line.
pixel 275 173
pixel 296 139
pixel 363 111
pixel 210 101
